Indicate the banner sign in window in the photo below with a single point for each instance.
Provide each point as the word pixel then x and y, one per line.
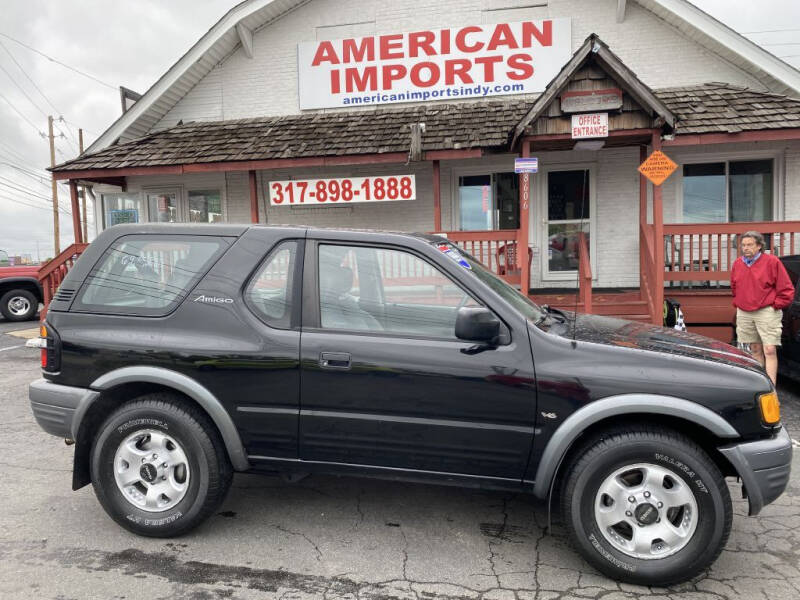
pixel 592 125
pixel 468 62
pixel 347 190
pixel 126 215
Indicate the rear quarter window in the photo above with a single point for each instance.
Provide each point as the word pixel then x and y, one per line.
pixel 148 274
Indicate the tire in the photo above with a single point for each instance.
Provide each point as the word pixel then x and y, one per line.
pixel 136 489
pixel 19 305
pixel 671 540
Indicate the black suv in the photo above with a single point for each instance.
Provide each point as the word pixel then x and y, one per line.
pixel 174 355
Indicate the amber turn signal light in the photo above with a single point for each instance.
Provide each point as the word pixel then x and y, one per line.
pixel 770 407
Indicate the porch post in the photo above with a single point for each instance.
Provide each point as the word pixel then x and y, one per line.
pixel 76 211
pixel 658 239
pixel 642 212
pixel 437 197
pixel 523 262
pixel 253 197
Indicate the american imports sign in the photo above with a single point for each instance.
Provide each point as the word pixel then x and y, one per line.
pixel 474 61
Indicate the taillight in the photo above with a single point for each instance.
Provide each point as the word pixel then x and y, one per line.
pixel 43 345
pixel 49 344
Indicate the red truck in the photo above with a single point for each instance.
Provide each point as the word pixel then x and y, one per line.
pixel 20 292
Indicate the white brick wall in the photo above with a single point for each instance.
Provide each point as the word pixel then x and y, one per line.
pixel 266 85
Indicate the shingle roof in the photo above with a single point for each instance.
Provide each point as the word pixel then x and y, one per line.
pixel 706 108
pixel 447 127
pixel 726 108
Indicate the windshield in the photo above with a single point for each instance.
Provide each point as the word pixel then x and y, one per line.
pixel 528 308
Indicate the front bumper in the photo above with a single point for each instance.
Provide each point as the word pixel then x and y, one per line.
pixel 763 466
pixel 59 408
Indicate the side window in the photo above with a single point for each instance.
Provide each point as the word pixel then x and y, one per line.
pixel 148 274
pixel 380 289
pixel 269 294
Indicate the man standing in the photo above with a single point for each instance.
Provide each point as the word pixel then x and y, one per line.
pixel 761 290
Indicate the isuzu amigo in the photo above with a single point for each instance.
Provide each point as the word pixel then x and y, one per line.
pixel 174 355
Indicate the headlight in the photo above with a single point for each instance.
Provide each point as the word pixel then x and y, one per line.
pixel 770 407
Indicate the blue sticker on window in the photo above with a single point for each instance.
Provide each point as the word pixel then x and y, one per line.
pixel 454 254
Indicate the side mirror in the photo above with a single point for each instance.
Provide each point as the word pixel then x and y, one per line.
pixel 477 324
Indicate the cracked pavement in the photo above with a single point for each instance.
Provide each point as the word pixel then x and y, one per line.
pixel 333 538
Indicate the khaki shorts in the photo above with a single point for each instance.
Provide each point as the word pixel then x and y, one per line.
pixel 762 326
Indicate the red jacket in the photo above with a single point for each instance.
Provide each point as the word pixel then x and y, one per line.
pixel 764 283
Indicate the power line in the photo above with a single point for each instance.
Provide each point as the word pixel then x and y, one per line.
pixel 51 59
pixel 27 120
pixel 14 163
pixel 38 89
pixel 18 188
pixel 33 83
pixel 783 44
pixel 16 154
pixel 21 162
pixel 94 133
pixel 39 206
pixel 21 89
pixel 40 178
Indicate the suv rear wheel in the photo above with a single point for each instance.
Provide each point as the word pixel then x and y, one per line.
pixel 647 507
pixel 159 467
pixel 19 305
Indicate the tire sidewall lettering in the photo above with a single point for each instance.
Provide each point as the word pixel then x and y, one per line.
pixel 692 472
pixel 123 510
pixel 690 475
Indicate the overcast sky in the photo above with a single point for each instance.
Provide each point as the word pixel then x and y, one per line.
pixel 132 43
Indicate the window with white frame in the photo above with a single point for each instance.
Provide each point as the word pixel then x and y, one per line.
pixel 163 206
pixel 728 191
pixel 122 208
pixel 205 206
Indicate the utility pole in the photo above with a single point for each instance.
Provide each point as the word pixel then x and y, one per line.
pixel 83 192
pixel 56 230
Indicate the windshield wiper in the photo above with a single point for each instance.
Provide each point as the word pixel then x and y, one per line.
pixel 555 311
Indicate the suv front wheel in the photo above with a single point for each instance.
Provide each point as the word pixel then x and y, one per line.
pixel 159 467
pixel 646 507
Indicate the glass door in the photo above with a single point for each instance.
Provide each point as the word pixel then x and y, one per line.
pixel 567 212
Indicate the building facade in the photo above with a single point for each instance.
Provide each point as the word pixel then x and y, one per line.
pixel 444 96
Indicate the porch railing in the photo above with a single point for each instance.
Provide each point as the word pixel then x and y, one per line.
pixel 52 273
pixel 703 254
pixel 496 250
pixel 584 273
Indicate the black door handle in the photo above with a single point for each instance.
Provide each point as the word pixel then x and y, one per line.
pixel 334 360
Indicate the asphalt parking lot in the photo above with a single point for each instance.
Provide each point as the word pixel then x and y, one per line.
pixel 329 537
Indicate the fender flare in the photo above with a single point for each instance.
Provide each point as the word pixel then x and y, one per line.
pixel 19 279
pixel 185 385
pixel 624 404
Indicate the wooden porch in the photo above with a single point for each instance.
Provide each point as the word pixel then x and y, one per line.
pixel 690 265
